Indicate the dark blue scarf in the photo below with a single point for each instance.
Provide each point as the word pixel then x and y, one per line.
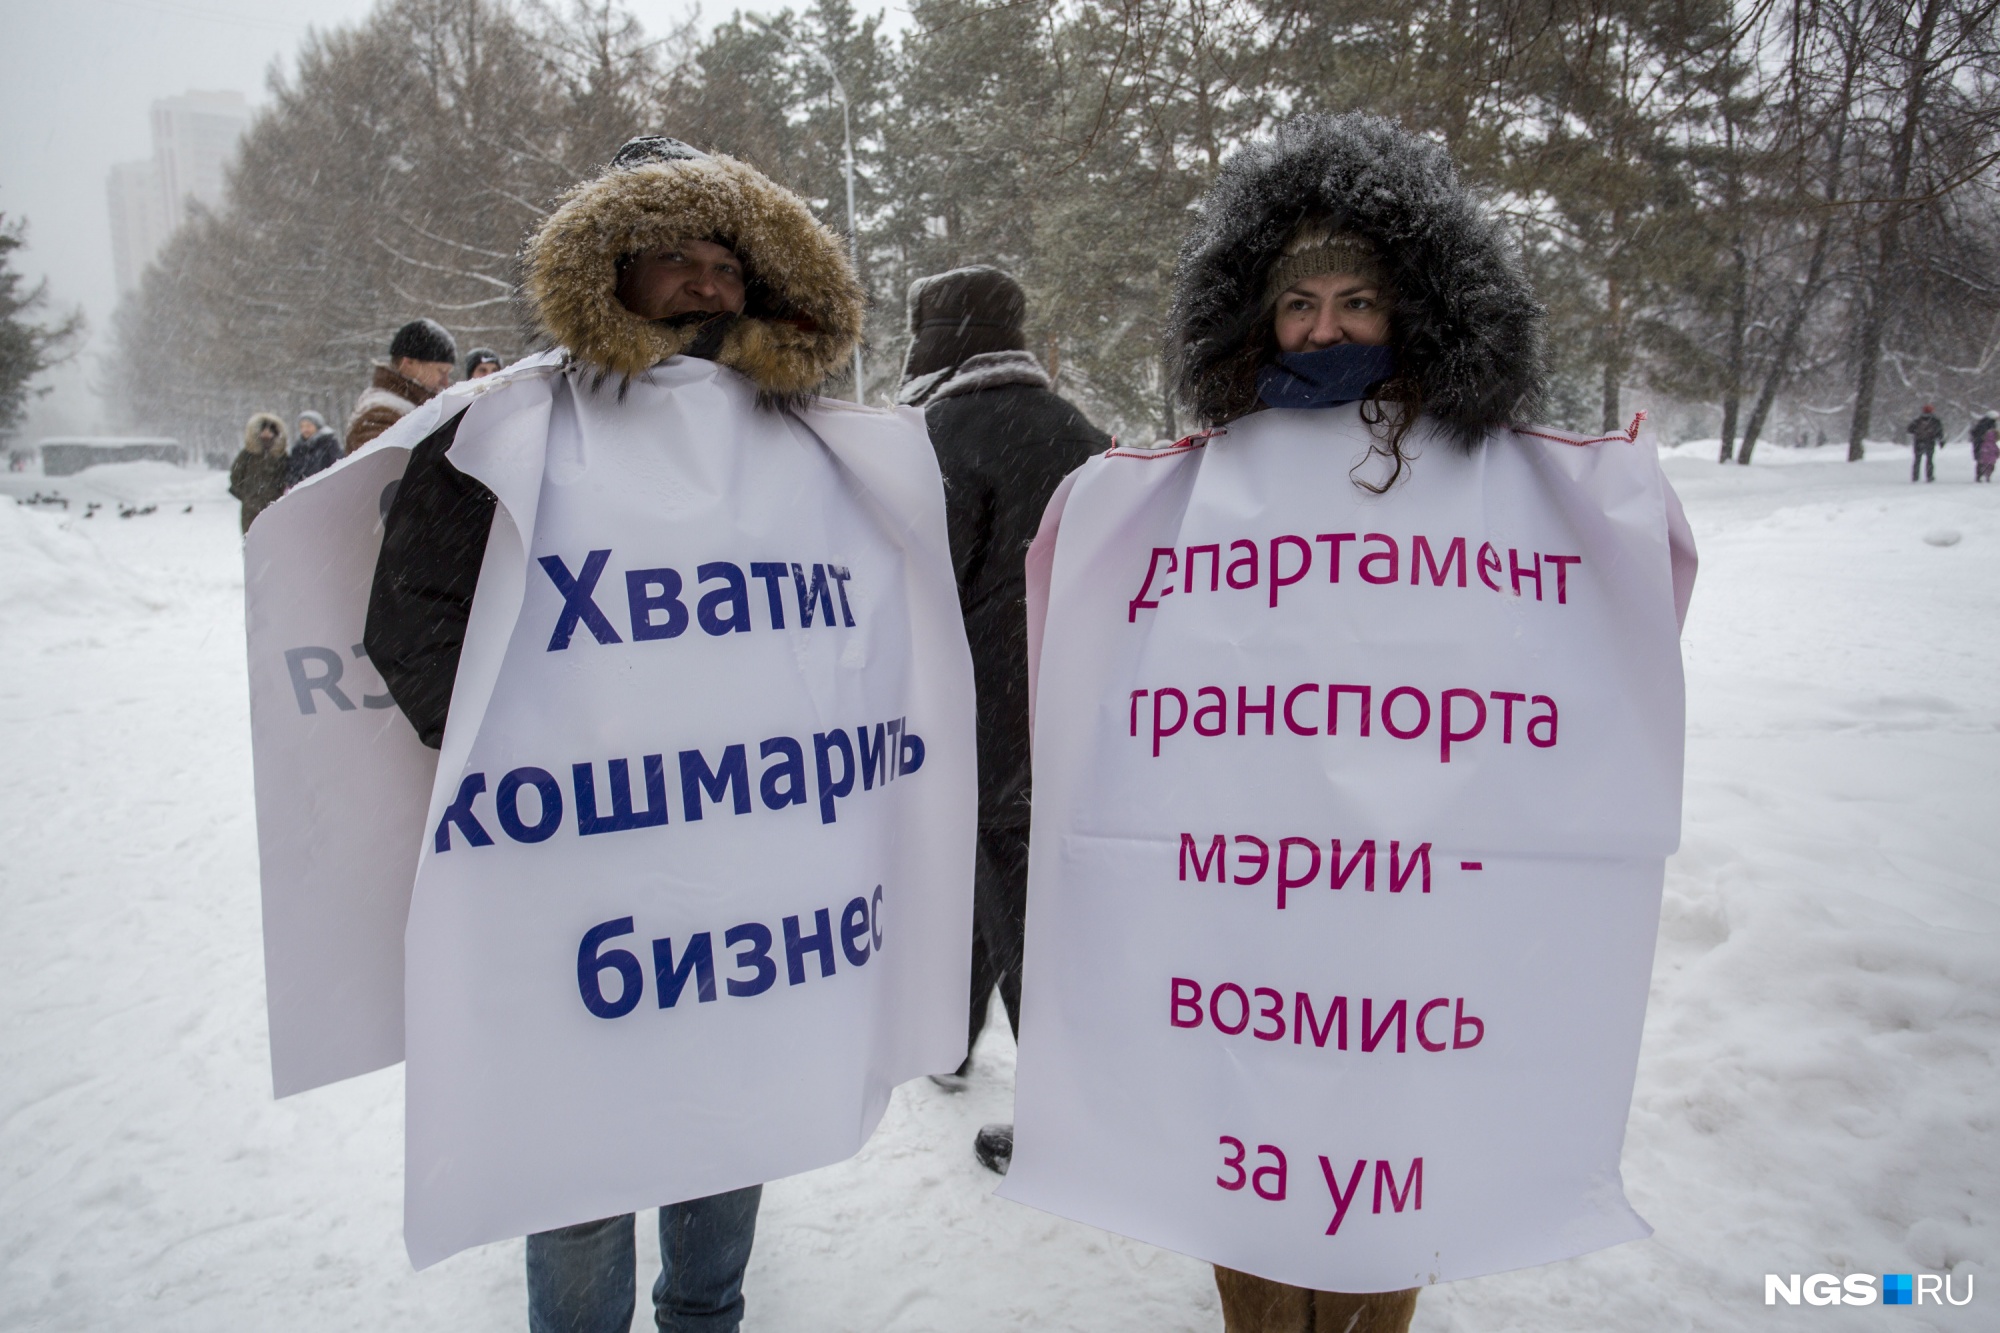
pixel 1329 377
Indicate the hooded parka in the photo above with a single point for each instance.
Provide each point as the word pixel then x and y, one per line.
pixel 257 477
pixel 1466 338
pixel 1466 333
pixel 801 319
pixel 1465 326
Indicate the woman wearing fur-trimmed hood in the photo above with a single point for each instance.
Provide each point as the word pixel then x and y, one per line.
pixel 1328 193
pixel 1344 316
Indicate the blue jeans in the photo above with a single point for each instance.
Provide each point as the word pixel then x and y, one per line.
pixel 582 1279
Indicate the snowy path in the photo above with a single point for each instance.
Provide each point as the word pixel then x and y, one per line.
pixel 1817 1092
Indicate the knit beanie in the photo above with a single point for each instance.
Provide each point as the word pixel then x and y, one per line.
pixel 961 314
pixel 423 340
pixel 478 357
pixel 1315 249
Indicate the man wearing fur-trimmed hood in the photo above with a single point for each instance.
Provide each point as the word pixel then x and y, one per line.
pixel 645 477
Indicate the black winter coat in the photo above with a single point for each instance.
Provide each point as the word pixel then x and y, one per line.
pixel 309 456
pixel 1003 451
pixel 433 541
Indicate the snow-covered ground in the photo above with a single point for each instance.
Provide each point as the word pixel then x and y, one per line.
pixel 1817 1092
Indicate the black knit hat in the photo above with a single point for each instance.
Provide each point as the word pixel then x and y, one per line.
pixel 963 313
pixel 649 148
pixel 478 357
pixel 423 340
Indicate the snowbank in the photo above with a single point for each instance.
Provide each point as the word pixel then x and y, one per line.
pixel 1770 453
pixel 47 566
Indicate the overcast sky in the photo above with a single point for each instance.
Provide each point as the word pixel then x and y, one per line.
pixel 77 79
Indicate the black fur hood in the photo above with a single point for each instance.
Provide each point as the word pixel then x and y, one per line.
pixel 1465 325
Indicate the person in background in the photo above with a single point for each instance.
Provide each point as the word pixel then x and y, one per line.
pixel 1004 441
pixel 421 358
pixel 481 362
pixel 1926 434
pixel 1982 431
pixel 317 450
pixel 257 477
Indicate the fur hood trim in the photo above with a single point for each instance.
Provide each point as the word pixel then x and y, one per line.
pixel 256 423
pixel 802 313
pixel 1465 325
pixel 988 370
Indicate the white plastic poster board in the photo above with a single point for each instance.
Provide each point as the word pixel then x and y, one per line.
pixel 341 778
pixel 695 888
pixel 1350 818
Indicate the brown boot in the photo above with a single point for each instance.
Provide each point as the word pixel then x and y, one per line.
pixel 1375 1312
pixel 1258 1305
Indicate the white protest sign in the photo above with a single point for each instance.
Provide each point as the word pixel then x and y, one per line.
pixel 696 891
pixel 342 782
pixel 341 779
pixel 1350 818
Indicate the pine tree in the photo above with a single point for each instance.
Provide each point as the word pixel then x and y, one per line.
pixel 27 348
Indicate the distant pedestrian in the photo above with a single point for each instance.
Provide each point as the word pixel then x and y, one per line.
pixel 317 449
pixel 1983 443
pixel 1926 434
pixel 421 358
pixel 481 362
pixel 257 477
pixel 1004 442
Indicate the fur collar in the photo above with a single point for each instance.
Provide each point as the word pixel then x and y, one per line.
pixel 803 315
pixel 1466 327
pixel 387 381
pixel 988 370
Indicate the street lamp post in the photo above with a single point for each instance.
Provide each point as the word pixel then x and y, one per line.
pixel 853 224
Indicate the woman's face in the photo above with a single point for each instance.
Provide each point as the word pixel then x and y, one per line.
pixel 1332 308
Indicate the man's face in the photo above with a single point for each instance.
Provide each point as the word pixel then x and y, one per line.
pixel 307 429
pixel 485 368
pixel 1332 308
pixel 689 278
pixel 433 375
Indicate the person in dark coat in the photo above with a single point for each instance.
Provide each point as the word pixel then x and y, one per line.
pixel 317 450
pixel 257 477
pixel 422 356
pixel 1985 435
pixel 620 277
pixel 1926 434
pixel 1004 441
